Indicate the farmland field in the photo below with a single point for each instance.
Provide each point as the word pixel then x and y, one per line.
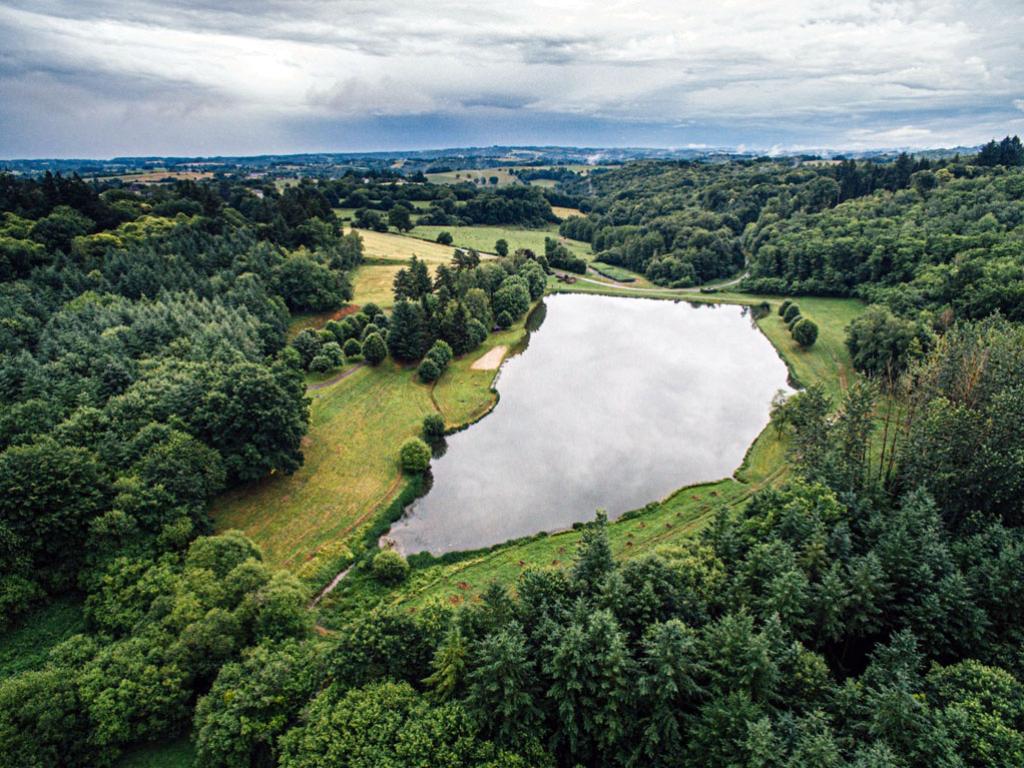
pixel 483 238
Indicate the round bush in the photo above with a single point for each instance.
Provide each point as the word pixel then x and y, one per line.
pixel 791 311
pixel 793 321
pixel 429 370
pixel 374 349
pixel 332 351
pixel 389 567
pixel 444 238
pixel 433 428
pixel 441 353
pixel 477 332
pixel 783 307
pixel 320 364
pixel 370 328
pixel 415 455
pixel 352 348
pixel 504 320
pixel 805 332
pixel 370 309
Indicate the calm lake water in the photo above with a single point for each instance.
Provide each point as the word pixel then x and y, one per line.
pixel 614 403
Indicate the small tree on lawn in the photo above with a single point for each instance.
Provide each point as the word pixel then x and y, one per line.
pixel 415 456
pixel 428 370
pixel 433 428
pixel 805 332
pixel 444 238
pixel 501 247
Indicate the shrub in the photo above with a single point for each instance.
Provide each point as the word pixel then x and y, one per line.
pixel 352 348
pixel 433 428
pixel 444 238
pixel 332 351
pixel 441 353
pixel 501 247
pixel 477 332
pixel 370 328
pixel 504 320
pixel 370 309
pixel 783 307
pixel 320 364
pixel 429 370
pixel 805 332
pixel 415 456
pixel 791 311
pixel 389 567
pixel 374 349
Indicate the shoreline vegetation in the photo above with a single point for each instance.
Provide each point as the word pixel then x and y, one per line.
pixel 342 533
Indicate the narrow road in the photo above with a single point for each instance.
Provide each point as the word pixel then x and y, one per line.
pixel 608 282
pixel 334 379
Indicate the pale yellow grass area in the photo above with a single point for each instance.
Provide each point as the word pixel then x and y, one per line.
pixel 564 213
pixel 392 247
pixel 491 360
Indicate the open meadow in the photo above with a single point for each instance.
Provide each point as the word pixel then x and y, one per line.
pixel 483 238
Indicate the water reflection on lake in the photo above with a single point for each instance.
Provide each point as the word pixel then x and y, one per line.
pixel 616 402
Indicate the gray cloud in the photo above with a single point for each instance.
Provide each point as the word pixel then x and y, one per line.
pixel 107 77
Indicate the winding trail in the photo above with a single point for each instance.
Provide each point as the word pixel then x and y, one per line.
pixel 334 379
pixel 609 283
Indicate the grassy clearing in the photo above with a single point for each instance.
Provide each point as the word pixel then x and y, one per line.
pixel 26 646
pixel 351 455
pixel 172 754
pixel 479 176
pixel 564 213
pixel 614 272
pixel 350 469
pixel 484 238
pixel 385 253
pixel 388 246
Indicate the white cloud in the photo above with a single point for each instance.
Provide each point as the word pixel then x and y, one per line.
pixel 860 70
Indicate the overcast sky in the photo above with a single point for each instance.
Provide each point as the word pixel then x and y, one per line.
pixel 97 78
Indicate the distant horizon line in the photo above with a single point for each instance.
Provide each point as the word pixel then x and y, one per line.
pixel 739 150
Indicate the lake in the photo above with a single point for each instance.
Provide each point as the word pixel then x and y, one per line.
pixel 614 403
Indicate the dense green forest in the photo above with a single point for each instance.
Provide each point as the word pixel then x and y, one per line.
pixel 866 613
pixel 144 365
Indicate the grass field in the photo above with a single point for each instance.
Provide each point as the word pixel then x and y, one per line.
pixel 385 254
pixel 351 455
pixel 564 213
pixel 481 177
pixel 483 238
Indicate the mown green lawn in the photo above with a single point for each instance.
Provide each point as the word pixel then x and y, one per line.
pixel 351 468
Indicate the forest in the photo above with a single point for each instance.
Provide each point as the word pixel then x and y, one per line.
pixel 866 611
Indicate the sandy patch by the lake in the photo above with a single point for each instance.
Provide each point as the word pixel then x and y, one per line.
pixel 491 360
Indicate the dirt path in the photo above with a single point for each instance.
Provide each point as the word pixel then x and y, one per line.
pixel 609 283
pixel 491 360
pixel 334 379
pixel 327 590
